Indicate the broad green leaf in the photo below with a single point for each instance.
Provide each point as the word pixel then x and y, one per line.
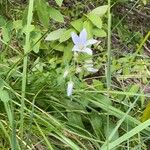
pixel 30 28
pixel 17 24
pixel 35 41
pixel 55 14
pixel 99 32
pixel 77 24
pixel 75 119
pixel 96 20
pixel 146 113
pixel 96 122
pixel 4 96
pixel 42 11
pixel 57 46
pixel 2 21
pixel 100 11
pixel 6 34
pixel 67 53
pixel 55 35
pixel 38 65
pixel 88 26
pixel 59 2
pixel 66 35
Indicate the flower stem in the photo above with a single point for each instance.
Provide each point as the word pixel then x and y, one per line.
pixel 108 75
pixel 25 63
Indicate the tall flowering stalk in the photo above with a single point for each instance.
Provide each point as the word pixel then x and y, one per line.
pixel 81 45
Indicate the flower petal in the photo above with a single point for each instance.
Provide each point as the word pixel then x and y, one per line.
pixel 83 36
pixel 91 42
pixel 75 38
pixel 76 49
pixel 88 51
pixel 70 88
pixel 92 69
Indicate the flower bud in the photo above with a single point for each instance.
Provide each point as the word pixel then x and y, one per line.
pixel 70 88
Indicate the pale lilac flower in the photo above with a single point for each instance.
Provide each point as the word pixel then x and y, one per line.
pixel 70 88
pixel 81 42
pixel 89 66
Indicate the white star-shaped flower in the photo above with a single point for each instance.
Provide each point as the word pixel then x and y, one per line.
pixel 81 43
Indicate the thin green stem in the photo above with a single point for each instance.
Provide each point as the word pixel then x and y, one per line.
pixel 25 63
pixel 109 48
pixel 14 139
pixel 108 75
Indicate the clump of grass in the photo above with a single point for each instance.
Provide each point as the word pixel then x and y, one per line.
pixel 103 113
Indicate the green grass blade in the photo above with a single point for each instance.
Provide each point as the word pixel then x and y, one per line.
pixel 128 135
pixel 45 138
pixel 26 49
